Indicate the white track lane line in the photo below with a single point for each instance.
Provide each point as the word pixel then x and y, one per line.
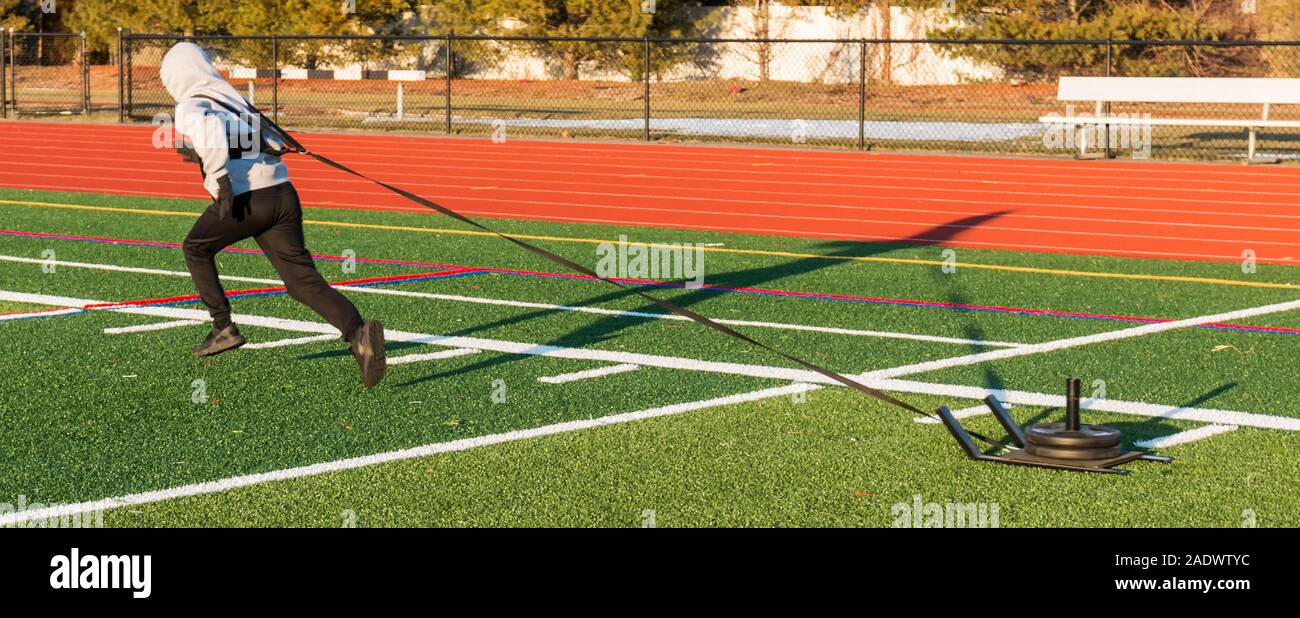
pixel 678 158
pixel 979 186
pixel 588 374
pixel 144 328
pixel 1063 344
pixel 531 305
pixel 284 343
pixel 1208 415
pixel 228 484
pixel 417 358
pixel 1183 437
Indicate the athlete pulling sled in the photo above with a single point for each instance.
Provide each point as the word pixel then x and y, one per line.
pixel 252 198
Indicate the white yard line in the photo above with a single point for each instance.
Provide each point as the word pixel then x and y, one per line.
pixel 668 316
pixel 236 482
pixel 33 314
pixel 1183 437
pixel 588 374
pixel 1063 344
pixel 546 306
pixel 127 269
pixel 805 381
pixel 1227 417
pixel 493 345
pixel 979 410
pixel 144 328
pixel 1135 408
pixel 284 343
pixel 417 358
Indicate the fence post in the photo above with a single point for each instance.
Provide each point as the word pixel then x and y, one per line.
pixel 275 79
pixel 130 75
pixel 85 76
pixel 121 74
pixel 646 70
pixel 449 69
pixel 1106 108
pixel 862 94
pixel 13 72
pixel 1110 42
pixel 4 81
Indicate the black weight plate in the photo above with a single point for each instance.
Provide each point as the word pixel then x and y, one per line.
pixel 1088 436
pixel 1066 452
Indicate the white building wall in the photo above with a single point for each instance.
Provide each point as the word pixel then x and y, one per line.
pixel 913 64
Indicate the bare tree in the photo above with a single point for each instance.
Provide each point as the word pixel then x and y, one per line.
pixel 766 26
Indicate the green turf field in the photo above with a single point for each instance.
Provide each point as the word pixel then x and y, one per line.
pixel 88 415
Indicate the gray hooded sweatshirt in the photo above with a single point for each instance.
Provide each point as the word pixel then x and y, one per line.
pixel 186 73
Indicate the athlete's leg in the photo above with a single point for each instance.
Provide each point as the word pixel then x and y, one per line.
pixel 210 234
pixel 283 244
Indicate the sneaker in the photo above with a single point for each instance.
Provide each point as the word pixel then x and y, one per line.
pixel 368 348
pixel 220 341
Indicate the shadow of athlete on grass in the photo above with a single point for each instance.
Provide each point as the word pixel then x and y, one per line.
pixel 609 327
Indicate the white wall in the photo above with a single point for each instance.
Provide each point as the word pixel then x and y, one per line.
pixel 913 64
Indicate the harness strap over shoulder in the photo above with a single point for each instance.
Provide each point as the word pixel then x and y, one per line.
pixel 258 123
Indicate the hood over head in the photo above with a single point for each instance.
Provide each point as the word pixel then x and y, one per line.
pixel 187 72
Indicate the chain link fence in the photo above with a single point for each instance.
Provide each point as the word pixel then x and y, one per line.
pixel 48 74
pixel 938 95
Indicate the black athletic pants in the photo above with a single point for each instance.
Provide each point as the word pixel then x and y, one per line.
pixel 273 217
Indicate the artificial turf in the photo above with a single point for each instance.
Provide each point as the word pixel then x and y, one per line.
pixel 92 415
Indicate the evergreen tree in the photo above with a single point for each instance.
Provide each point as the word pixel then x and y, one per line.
pixel 579 18
pixel 1097 19
pixel 14 14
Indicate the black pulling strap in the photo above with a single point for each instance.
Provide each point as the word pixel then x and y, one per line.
pixel 297 147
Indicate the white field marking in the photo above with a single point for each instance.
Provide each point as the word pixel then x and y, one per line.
pixel 1183 437
pixel 49 314
pixel 1062 344
pixel 531 305
pixel 129 269
pixel 416 358
pixel 1136 408
pixel 284 343
pixel 668 316
pixel 1226 417
pixel 427 450
pixel 144 328
pixel 979 410
pixel 590 373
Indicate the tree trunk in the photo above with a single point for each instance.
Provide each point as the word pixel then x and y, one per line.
pixel 887 33
pixel 570 62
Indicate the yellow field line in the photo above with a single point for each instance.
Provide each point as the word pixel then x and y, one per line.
pixel 763 252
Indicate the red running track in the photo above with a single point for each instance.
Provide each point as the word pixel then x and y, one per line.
pixel 1121 208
